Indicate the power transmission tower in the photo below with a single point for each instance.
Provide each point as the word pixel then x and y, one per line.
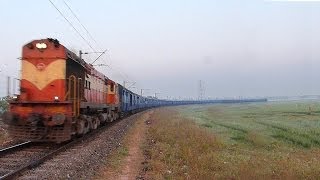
pixel 201 90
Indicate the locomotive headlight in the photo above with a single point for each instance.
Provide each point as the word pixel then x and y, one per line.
pixel 56 98
pixel 15 98
pixel 41 45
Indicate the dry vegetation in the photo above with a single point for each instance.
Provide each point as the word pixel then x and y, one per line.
pixel 180 149
pixel 268 141
pixel 3 134
pixel 3 107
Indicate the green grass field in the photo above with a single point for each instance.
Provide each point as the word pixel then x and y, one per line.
pixel 268 125
pixel 274 140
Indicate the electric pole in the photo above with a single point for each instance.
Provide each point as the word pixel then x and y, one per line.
pixel 141 92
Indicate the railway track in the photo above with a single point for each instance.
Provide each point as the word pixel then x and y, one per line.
pixel 16 159
pixel 20 157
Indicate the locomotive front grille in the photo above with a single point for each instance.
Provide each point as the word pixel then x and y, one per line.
pixel 40 134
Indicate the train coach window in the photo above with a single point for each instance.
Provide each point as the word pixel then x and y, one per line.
pixel 112 87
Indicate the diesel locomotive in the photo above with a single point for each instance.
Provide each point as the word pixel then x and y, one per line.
pixel 62 96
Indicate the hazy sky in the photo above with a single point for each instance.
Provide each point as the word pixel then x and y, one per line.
pixel 237 48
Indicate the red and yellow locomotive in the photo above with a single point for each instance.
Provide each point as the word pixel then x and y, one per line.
pixel 60 95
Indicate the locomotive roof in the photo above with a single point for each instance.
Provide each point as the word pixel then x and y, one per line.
pixel 53 49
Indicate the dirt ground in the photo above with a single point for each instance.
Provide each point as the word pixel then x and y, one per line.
pixel 127 161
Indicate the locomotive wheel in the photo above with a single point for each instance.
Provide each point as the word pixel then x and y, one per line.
pixel 98 121
pixel 101 120
pixel 117 116
pixel 110 117
pixel 94 123
pixel 88 125
pixel 80 126
pixel 113 117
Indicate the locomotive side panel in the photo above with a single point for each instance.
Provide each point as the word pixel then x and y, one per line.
pixel 95 88
pixel 77 71
pixel 112 93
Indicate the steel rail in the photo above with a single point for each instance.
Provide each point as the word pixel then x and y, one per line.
pixel 14 147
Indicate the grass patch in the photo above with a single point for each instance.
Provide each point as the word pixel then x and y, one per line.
pixel 236 141
pixel 207 125
pixel 117 158
pixel 181 149
pixel 287 124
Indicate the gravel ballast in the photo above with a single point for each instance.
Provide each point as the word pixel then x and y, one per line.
pixel 82 161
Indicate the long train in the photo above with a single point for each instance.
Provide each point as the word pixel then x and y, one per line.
pixel 62 96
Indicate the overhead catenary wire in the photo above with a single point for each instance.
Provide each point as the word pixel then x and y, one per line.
pixel 75 29
pixel 87 31
pixel 89 34
pixel 99 56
